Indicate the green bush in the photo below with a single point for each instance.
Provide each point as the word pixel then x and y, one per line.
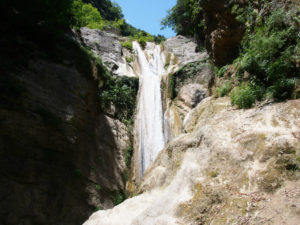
pixel 143 38
pixel 85 15
pixel 244 96
pixel 282 88
pixel 129 59
pixel 225 89
pixel 270 55
pixel 118 197
pixel 221 71
pixel 128 154
pixel 121 92
pixel 127 44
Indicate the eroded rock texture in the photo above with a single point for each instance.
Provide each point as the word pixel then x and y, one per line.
pixel 185 49
pixel 108 47
pixel 61 158
pixel 231 167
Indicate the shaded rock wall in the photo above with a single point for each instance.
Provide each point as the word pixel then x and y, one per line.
pixel 60 157
pixel 223 33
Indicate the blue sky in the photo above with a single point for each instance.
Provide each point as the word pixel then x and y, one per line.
pixel 146 14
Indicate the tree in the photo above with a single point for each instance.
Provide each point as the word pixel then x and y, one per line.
pixel 185 18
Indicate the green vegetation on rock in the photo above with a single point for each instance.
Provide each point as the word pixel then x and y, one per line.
pixel 270 55
pixel 120 92
pixel 127 44
pixel 118 197
pixel 243 96
pixel 224 89
pixel 184 74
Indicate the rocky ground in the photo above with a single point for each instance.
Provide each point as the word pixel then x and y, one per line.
pixel 231 167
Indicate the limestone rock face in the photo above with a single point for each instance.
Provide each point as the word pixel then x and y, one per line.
pixel 61 158
pixel 184 49
pixel 108 47
pixel 192 94
pixel 185 89
pixel 231 167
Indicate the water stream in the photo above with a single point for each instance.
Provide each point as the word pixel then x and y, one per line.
pixel 149 120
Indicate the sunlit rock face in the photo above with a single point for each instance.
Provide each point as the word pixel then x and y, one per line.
pixel 231 167
pixel 108 46
pixel 185 49
pixel 184 89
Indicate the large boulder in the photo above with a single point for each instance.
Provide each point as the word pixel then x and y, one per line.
pixel 192 94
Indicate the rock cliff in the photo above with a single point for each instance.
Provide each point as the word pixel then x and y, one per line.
pixel 61 157
pixel 221 165
pixel 231 167
pixel 65 152
pixel 223 32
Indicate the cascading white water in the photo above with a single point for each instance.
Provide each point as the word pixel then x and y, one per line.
pixel 149 120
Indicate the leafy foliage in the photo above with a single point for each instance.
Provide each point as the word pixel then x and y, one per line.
pixel 225 89
pixel 118 197
pixel 243 96
pixel 185 74
pixel 109 10
pixel 127 44
pixel 271 53
pixel 85 15
pixel 120 92
pixel 220 71
pixel 129 59
pixel 185 18
pixel 128 155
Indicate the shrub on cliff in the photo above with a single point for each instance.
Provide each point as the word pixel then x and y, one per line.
pixel 120 92
pixel 243 96
pixel 271 54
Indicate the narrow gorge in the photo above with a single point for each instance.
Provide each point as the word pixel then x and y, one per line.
pixel 102 123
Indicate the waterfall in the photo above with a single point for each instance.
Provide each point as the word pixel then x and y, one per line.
pixel 149 119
